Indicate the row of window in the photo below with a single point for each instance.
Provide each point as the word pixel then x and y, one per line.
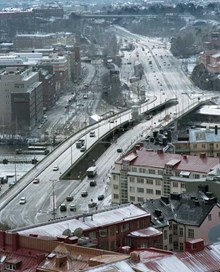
pixel 167 171
pixel 142 190
pixel 152 182
pixel 190 234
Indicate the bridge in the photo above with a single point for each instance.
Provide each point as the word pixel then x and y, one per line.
pixel 66 155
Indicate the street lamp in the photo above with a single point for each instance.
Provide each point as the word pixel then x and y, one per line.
pixel 71 153
pixel 53 201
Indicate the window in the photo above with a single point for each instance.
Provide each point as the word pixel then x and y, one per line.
pixel 132 198
pixel 115 196
pixel 165 235
pixel 125 165
pixel 132 179
pixel 175 229
pixel 203 146
pixel 175 245
pixel 140 199
pixel 140 180
pixel 196 176
pixel 151 171
pixel 103 232
pixel 195 146
pixel 158 182
pixel 132 189
pixel 142 170
pixel 191 233
pixel 134 169
pixel 183 185
pixel 115 187
pixel 170 238
pixel 125 227
pixel 210 217
pixel 150 181
pixel 160 172
pixel 150 191
pixel 181 246
pixel 10 266
pixel 92 234
pixel 175 184
pixel 158 192
pixel 177 173
pixel 180 232
pixel 140 190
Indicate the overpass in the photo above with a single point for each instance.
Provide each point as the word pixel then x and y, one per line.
pixel 66 155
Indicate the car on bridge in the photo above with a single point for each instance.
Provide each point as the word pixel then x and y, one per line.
pixel 55 168
pixel 22 200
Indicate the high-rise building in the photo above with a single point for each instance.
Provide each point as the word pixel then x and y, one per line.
pixel 21 103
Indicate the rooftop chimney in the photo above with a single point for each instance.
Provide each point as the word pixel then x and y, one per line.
pixel 137 147
pixel 165 199
pixel 194 245
pixel 159 151
pixel 202 155
pixel 60 260
pixel 135 256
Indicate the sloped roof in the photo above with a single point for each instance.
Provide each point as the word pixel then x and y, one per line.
pixel 184 210
pixel 159 160
pixel 97 219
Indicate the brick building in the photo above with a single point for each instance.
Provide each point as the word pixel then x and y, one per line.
pixel 108 229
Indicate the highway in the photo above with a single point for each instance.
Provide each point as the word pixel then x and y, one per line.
pixel 174 84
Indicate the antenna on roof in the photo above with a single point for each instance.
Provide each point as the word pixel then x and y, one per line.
pixel 78 232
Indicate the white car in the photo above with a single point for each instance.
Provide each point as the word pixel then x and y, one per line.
pixel 55 168
pixel 22 200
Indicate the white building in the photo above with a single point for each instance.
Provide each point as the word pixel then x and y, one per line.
pixel 143 175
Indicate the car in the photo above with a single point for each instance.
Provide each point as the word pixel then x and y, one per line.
pixel 63 207
pixel 36 180
pixel 69 198
pixel 92 183
pixel 111 121
pixel 22 200
pixel 84 194
pixel 92 134
pixel 119 150
pixel 83 148
pixel 100 197
pixel 92 205
pixel 73 207
pixel 55 168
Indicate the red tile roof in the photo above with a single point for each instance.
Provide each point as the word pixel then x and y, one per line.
pixel 190 163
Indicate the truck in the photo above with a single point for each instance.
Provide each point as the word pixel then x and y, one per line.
pixel 91 172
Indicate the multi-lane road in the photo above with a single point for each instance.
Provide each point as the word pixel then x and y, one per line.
pixel 163 79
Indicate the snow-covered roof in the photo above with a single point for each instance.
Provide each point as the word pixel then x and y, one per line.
pixel 97 219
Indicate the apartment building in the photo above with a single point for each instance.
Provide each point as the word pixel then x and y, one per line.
pixel 200 141
pixel 182 217
pixel 27 41
pixel 146 174
pixel 21 103
pixel 60 70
